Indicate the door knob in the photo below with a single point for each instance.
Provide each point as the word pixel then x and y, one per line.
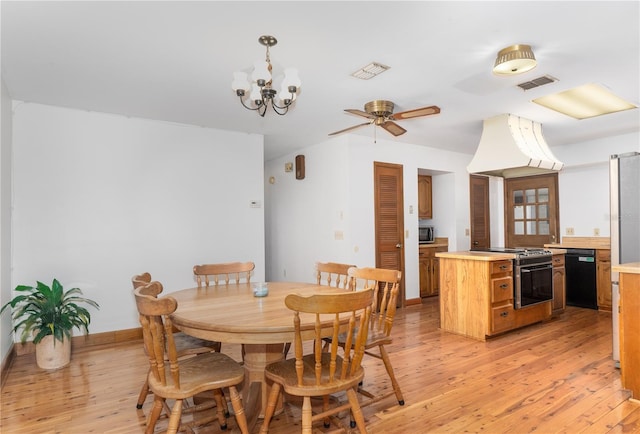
pixel 399 245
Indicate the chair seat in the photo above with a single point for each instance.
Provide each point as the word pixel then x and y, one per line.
pixel 186 344
pixel 198 374
pixel 374 339
pixel 285 373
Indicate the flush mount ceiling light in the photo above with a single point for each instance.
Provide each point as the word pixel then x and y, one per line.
pixel 514 60
pixel 263 93
pixel 585 101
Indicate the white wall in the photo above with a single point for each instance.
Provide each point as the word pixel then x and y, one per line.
pixel 99 198
pixel 5 221
pixel 584 182
pixel 337 195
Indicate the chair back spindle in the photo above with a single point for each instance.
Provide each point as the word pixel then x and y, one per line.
pixel 225 273
pixel 332 274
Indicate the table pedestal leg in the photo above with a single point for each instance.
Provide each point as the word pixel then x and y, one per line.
pixel 256 358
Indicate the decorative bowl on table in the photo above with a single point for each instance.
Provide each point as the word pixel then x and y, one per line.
pixel 260 289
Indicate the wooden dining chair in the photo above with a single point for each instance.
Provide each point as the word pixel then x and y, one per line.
pixel 179 379
pixel 223 273
pixel 332 274
pixel 386 284
pixel 185 345
pixel 323 373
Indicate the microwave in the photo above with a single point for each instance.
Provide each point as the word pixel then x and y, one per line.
pixel 426 234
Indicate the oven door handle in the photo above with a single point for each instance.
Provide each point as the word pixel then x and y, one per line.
pixel 536 268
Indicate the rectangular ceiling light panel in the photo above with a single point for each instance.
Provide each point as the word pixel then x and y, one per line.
pixel 585 102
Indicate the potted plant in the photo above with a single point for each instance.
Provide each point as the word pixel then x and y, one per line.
pixel 49 314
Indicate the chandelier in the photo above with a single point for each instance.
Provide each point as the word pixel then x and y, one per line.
pixel 263 93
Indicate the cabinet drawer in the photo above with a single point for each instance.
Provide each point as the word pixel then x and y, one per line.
pixel 501 289
pixel 603 255
pixel 501 267
pixel 557 260
pixel 502 318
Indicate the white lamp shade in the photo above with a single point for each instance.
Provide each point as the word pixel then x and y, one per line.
pixel 255 92
pixel 261 71
pixel 240 81
pixel 291 78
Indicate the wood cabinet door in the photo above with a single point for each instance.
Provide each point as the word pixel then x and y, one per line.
pixel 425 274
pixel 559 280
pixel 424 197
pixel 435 276
pixel 603 279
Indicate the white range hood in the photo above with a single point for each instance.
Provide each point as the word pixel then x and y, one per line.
pixel 511 146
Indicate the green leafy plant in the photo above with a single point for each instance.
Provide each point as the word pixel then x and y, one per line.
pixel 45 310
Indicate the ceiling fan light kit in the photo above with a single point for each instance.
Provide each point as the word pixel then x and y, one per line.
pixel 262 93
pixel 515 59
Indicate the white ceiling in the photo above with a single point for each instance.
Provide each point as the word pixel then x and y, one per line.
pixel 174 61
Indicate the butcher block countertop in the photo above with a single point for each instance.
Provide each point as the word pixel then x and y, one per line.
pixel 629 267
pixel 476 256
pixel 598 243
pixel 438 242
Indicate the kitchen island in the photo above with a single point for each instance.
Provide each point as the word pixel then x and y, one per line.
pixel 629 326
pixel 476 295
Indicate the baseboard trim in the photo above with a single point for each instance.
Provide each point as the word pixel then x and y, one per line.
pixel 6 365
pixel 413 301
pixel 78 343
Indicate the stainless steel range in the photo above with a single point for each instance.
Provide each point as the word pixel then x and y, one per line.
pixel 532 275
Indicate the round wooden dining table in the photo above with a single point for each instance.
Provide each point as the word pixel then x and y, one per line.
pixel 232 314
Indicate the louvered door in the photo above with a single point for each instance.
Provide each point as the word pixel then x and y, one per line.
pixel 389 220
pixel 480 234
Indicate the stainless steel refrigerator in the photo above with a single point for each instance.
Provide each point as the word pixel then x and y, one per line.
pixel 624 174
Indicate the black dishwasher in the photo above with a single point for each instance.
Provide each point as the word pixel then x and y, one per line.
pixel 580 266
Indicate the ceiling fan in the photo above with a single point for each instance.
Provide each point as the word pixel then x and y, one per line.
pixel 380 113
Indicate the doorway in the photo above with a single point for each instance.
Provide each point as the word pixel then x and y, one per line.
pixel 389 220
pixel 531 210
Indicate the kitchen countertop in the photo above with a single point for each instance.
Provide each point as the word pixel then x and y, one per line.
pixel 554 250
pixel 432 245
pixel 598 243
pixel 629 267
pixel 476 256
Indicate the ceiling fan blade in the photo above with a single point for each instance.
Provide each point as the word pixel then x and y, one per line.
pixel 424 111
pixel 393 128
pixel 349 129
pixel 360 113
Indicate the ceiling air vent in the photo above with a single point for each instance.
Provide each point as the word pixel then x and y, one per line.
pixel 537 82
pixel 370 71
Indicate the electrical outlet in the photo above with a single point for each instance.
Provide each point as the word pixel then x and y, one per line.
pixel 338 235
pixel 596 232
pixel 569 231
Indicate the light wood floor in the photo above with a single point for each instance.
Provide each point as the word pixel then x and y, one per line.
pixel 554 377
